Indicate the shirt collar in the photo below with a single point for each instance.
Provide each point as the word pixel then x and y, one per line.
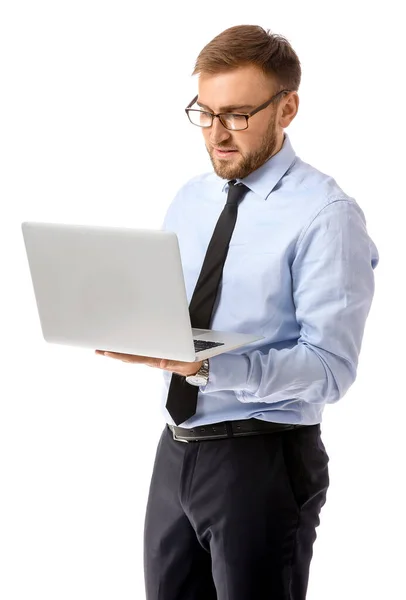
pixel 264 179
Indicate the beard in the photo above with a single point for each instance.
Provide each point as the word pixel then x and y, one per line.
pixel 246 164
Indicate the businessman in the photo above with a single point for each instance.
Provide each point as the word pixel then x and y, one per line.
pixel 270 246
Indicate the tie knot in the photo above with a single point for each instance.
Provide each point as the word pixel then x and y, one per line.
pixel 236 192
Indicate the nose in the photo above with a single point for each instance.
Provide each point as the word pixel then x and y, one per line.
pixel 218 133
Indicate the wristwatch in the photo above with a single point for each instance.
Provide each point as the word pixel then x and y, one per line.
pixel 202 376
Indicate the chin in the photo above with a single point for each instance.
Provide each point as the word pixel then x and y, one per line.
pixel 226 174
pixel 225 171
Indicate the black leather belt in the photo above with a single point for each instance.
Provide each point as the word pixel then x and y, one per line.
pixel 227 429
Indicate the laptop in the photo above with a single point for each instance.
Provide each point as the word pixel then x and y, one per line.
pixel 119 290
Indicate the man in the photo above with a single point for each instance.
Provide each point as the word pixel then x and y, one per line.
pixel 232 512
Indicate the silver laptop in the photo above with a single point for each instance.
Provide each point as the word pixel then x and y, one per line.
pixel 117 289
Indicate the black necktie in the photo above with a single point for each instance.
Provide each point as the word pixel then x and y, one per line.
pixel 182 397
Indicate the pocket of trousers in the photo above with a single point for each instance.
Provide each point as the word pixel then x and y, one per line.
pixel 306 467
pixel 282 466
pixel 293 470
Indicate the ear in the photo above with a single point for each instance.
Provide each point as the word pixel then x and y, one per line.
pixel 289 110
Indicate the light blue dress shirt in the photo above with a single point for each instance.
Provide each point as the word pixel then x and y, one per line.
pixel 299 271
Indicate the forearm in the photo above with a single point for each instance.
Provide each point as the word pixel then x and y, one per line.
pixel 332 288
pixel 300 372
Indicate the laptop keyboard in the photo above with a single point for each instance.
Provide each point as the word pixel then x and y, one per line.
pixel 205 345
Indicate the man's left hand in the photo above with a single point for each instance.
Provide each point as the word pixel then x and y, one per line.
pixel 179 367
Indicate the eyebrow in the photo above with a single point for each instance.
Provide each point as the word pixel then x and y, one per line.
pixel 229 108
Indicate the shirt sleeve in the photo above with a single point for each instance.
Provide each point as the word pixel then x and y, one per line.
pixel 332 289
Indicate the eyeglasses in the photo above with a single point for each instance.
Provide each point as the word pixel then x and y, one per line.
pixel 235 122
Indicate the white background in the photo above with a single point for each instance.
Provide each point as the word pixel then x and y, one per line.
pixel 93 131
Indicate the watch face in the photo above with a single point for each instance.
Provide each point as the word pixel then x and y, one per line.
pixel 196 380
pixel 201 377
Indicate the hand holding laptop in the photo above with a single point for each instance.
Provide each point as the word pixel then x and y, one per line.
pixel 180 367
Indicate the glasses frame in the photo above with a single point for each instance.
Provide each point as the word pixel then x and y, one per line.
pixel 188 109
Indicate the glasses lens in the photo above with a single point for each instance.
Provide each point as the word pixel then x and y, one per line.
pixel 200 118
pixel 234 122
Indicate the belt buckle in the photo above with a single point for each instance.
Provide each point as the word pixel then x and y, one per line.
pixel 176 438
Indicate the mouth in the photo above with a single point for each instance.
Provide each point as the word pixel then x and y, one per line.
pixel 224 152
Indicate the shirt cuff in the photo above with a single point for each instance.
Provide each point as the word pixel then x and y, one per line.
pixel 227 372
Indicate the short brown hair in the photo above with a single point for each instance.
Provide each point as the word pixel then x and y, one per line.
pixel 251 44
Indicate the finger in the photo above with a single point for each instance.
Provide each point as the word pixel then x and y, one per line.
pixel 131 358
pixel 135 359
pixel 106 353
pixel 170 365
pixel 120 356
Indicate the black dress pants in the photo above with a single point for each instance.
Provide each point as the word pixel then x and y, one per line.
pixel 235 518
